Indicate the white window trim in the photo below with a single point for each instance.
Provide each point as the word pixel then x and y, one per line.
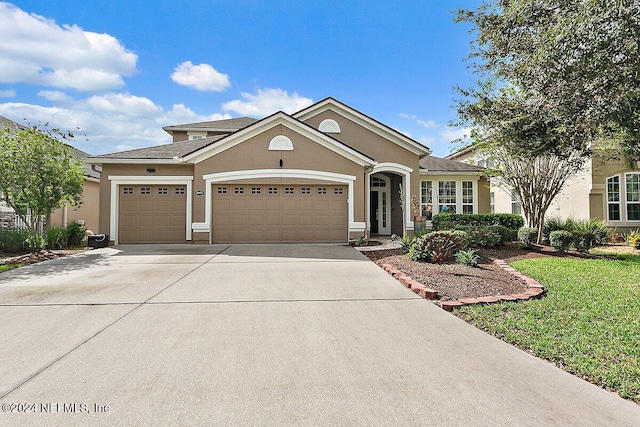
pixel 212 178
pixel 620 201
pixel 193 134
pixel 435 190
pixel 624 199
pixel 329 126
pixel 118 180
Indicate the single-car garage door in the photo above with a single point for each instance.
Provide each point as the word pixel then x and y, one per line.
pixel 152 214
pixel 279 213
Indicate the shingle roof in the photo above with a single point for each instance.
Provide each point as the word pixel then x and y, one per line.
pixel 436 164
pixel 227 125
pixel 13 126
pixel 166 151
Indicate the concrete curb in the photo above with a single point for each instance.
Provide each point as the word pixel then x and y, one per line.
pixel 536 290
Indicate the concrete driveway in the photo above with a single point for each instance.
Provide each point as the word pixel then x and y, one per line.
pixel 261 335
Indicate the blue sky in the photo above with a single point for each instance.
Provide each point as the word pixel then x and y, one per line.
pixel 120 70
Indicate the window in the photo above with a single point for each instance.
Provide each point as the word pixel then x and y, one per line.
pixel 378 182
pixel 127 190
pixel 633 196
pixel 192 137
pixel 255 190
pixel 222 190
pixel 492 202
pixel 467 197
pixel 482 163
pixel 180 190
pixel 289 190
pixel 238 190
pixel 305 190
pixel 516 205
pixel 613 198
pixel 145 191
pixel 163 191
pixel 447 196
pixel 272 190
pixel 426 198
pixel 322 190
pixel 337 191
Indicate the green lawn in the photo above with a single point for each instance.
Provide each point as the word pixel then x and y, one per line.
pixel 588 322
pixel 6 267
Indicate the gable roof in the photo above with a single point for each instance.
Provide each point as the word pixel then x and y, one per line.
pixel 436 164
pixel 220 126
pixel 367 122
pixel 230 140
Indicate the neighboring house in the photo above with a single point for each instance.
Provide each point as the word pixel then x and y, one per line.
pixel 606 189
pixel 88 209
pixel 327 173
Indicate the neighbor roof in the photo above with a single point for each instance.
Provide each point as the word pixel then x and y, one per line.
pixel 226 125
pixel 436 164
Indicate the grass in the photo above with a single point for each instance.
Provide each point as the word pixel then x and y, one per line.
pixel 7 267
pixel 588 323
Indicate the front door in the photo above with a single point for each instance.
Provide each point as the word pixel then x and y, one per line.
pixel 374 213
pixel 379 216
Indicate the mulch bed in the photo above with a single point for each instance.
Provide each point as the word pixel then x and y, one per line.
pixel 30 258
pixel 455 281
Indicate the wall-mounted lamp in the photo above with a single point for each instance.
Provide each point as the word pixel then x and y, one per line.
pixel 151 169
pixel 281 162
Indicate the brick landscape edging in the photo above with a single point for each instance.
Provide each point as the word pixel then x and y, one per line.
pixel 536 290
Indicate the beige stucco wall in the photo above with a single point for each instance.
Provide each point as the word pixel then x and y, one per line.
pixel 87 211
pixel 254 154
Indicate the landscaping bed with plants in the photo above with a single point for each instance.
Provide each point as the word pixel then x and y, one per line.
pixel 18 248
pixel 453 280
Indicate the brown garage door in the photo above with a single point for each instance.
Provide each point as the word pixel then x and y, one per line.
pixel 152 214
pixel 279 213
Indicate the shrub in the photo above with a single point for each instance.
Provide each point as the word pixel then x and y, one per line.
pixel 56 238
pixel 583 240
pixel 437 246
pixel 560 240
pixel 75 234
pixel 484 237
pixel 527 237
pixel 13 241
pixel 451 221
pixel 461 236
pixel 633 238
pixel 552 224
pixel 597 229
pixel 35 243
pixel 468 257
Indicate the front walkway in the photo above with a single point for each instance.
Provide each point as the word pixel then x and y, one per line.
pixel 261 335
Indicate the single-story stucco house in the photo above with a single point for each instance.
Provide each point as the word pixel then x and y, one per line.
pixel 327 173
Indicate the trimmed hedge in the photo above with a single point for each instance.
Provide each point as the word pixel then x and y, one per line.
pixel 446 221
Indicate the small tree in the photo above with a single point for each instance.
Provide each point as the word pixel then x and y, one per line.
pixel 38 175
pixel 537 179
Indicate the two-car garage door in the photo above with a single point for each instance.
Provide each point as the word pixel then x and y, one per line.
pixel 240 213
pixel 279 213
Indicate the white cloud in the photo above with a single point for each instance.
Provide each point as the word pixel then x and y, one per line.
pixel 9 93
pixel 202 77
pixel 267 101
pixel 54 95
pixel 37 50
pixel 429 124
pixel 455 135
pixel 111 122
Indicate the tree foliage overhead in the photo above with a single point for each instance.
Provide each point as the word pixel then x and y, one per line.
pixel 555 75
pixel 38 173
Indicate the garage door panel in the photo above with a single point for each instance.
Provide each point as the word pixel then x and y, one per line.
pixel 280 213
pixel 152 214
